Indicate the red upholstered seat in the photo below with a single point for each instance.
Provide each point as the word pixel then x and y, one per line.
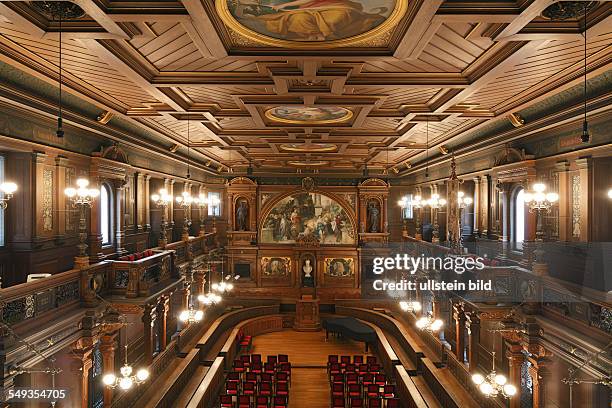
pixel 357 360
pixel 251 377
pixel 226 401
pixel 389 391
pixel 367 379
pixel 283 358
pixel 356 403
pixel 272 359
pixel 265 388
pixel 267 377
pixel 374 403
pixel 380 379
pixel 351 378
pixel 372 391
pixel 334 368
pixel 248 388
pixel 233 376
pixel 279 402
pixel 375 368
pixel 255 358
pixel 239 366
pixel 393 403
pixel 370 359
pixel 337 390
pixel 338 402
pixel 344 360
pixel 244 401
pixel 269 368
pixel 256 367
pixel 282 377
pixel 262 402
pixel 363 368
pixel 231 388
pixel 354 390
pixel 282 389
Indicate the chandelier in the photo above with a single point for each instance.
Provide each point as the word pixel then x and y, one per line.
pixel 7 189
pixel 435 201
pixel 184 200
pixel 191 316
pixel 538 200
pixel 162 199
pixel 428 323
pixel 494 384
pixel 82 196
pixel 410 306
pixel 127 380
pixel 610 193
pixel 210 299
pixel 463 201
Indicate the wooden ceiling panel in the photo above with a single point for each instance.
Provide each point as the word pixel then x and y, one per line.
pixel 455 64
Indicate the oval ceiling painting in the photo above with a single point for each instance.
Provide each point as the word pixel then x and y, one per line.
pixel 307 215
pixel 309 115
pixel 311 23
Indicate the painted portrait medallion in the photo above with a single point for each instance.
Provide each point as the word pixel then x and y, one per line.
pixel 309 115
pixel 325 23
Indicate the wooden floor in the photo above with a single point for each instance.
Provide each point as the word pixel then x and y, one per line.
pixel 308 353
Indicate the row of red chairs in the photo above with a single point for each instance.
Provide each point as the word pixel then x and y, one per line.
pixel 266 388
pixel 336 368
pixel 340 402
pixel 279 376
pixel 364 379
pixel 357 390
pixel 344 360
pixel 247 401
pixel 247 359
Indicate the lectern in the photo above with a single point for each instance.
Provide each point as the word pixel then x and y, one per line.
pixel 307 314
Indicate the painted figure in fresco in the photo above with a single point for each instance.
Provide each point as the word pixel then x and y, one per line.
pixel 373 214
pixel 313 20
pixel 241 216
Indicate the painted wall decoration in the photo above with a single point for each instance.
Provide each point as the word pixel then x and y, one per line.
pixel 275 266
pixel 307 215
pixel 312 115
pixel 340 267
pixel 47 200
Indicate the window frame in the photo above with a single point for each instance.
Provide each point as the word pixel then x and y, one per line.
pixel 109 205
pixel 517 245
pixel 210 211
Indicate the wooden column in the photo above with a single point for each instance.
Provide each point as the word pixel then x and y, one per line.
pixel 565 200
pixel 148 320
pixel 108 345
pixel 162 316
pixel 485 205
pixel 169 186
pixel 138 201
pixel 472 325
pixel 540 375
pixel 515 363
pixel 60 180
pixel 81 365
pixel 477 205
pixel 459 317
pixel 147 202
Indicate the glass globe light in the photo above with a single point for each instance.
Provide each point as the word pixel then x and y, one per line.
pixel 468 200
pixel 478 379
pixel 179 199
pixel 460 194
pixel 509 390
pixel 539 196
pixel 486 388
pixel 126 370
pixel 82 183
pixel 70 192
pixel 610 193
pixel 184 316
pixel 436 325
pixel 198 315
pixel 442 201
pixel 109 379
pixel 500 379
pixel 417 198
pixel 155 197
pixel 142 374
pixel 403 305
pixel 126 383
pixel 539 187
pixel 527 197
pixel 8 188
pixel 94 192
pixel 552 197
pixel 421 323
pixel 201 298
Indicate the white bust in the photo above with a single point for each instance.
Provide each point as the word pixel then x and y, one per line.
pixel 307 268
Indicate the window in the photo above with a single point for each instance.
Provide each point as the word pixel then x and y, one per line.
pixel 214 204
pixel 1 196
pixel 407 211
pixel 519 219
pixel 106 214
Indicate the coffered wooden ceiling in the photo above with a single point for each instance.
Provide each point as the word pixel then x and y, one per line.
pixel 364 92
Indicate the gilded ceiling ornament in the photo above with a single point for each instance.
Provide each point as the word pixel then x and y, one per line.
pixel 568 10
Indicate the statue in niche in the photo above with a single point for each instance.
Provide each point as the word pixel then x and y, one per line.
pixel 242 213
pixel 307 279
pixel 373 216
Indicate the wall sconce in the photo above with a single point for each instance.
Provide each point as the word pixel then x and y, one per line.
pixel 7 189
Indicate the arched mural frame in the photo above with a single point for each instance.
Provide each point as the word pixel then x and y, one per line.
pixel 272 202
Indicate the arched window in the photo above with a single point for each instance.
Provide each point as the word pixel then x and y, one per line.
pixel 519 219
pixel 106 218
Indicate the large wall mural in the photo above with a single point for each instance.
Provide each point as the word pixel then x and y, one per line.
pixel 307 215
pixel 282 22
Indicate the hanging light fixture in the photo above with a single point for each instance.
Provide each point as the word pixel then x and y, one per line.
pixel 463 201
pixel 127 380
pixel 210 298
pixel 585 125
pixel 494 384
pixel 538 200
pixel 191 315
pixel 428 323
